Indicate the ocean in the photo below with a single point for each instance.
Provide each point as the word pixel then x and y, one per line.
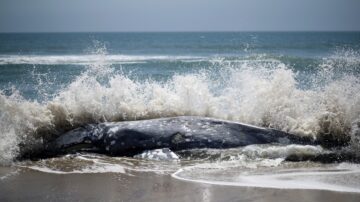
pixel 303 83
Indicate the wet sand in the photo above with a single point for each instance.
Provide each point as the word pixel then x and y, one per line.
pixel 29 185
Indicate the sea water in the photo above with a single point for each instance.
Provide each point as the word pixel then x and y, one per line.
pixel 305 83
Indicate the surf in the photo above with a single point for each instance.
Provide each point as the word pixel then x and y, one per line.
pixel 257 92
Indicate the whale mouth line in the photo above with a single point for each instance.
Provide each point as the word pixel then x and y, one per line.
pixel 86 147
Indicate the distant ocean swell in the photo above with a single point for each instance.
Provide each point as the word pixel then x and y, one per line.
pixel 253 91
pixel 87 59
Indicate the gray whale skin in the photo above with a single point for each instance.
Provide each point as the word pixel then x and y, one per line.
pixel 177 133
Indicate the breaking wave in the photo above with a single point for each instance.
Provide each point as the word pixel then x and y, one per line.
pixel 87 59
pixel 259 93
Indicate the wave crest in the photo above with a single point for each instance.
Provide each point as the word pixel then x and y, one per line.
pixel 264 94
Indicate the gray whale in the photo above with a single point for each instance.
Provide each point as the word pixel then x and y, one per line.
pixel 177 133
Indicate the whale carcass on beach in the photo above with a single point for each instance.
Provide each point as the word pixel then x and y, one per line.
pixel 176 133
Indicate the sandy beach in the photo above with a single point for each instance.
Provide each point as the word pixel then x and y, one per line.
pixel 29 185
pixel 180 101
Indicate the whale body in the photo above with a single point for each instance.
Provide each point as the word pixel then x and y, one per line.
pixel 177 133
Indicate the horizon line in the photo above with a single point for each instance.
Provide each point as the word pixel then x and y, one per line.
pixel 170 31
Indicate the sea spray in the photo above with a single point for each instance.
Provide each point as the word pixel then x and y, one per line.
pixel 260 92
pixel 20 121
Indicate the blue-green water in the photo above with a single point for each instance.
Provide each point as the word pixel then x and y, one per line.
pixel 306 83
pixel 24 58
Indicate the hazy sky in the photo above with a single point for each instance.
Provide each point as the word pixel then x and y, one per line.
pixel 178 15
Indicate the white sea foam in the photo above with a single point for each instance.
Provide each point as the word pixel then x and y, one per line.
pixel 93 163
pixel 331 180
pixel 164 154
pixel 96 168
pixel 263 94
pixel 89 59
pixel 164 161
pixel 264 166
pixel 277 151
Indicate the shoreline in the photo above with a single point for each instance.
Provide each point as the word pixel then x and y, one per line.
pixel 30 185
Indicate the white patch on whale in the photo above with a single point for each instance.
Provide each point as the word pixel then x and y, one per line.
pixel 164 154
